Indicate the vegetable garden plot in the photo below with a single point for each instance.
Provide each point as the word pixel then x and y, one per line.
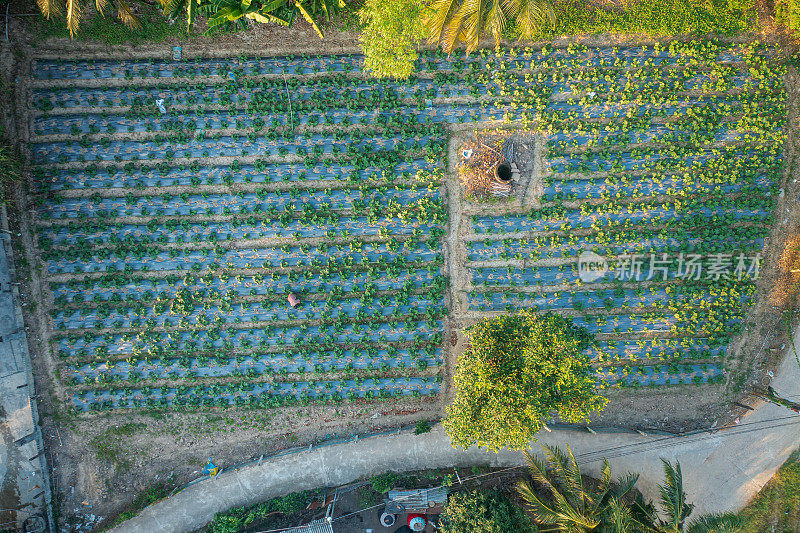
pixel 173 239
pixel 654 162
pixel 191 283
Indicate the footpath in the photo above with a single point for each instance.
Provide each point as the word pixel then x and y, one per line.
pixel 722 470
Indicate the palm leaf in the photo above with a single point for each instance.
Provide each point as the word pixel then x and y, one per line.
pixel 271 6
pixel 126 15
pixel 673 498
pixel 268 17
pixel 49 7
pixel 171 7
pixel 625 484
pixel 538 470
pixel 532 16
pixel 309 19
pixel 100 5
pixel 540 510
pixel 716 523
pixel 73 17
pixel 190 14
pixel 618 518
pixel 443 26
pixel 472 16
pixel 567 509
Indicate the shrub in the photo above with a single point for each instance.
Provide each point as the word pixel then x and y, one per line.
pixel 422 427
pixel 383 483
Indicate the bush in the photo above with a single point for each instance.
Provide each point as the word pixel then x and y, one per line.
pixel 238 518
pixel 383 482
pixel 484 512
pixel 422 427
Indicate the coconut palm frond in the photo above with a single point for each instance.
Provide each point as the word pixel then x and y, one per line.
pixel 542 512
pixel 191 13
pixel 625 484
pixel 619 518
pixel 172 7
pixel 126 15
pixel 532 16
pixel 538 471
pixel 716 523
pixel 444 27
pixel 73 17
pixel 473 13
pixel 673 497
pixel 100 6
pixel 49 7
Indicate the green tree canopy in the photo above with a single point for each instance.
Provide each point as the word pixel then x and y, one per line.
pixel 483 512
pixel 517 371
pixel 392 29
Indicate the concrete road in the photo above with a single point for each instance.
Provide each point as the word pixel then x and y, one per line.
pixel 722 471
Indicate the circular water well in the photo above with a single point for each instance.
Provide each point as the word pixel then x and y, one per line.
pixel 502 172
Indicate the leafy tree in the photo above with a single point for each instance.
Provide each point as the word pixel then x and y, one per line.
pixel 483 512
pixel 75 9
pixel 517 371
pixel 577 504
pixel 391 31
pixel 453 22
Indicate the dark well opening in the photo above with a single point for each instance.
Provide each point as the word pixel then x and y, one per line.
pixel 504 172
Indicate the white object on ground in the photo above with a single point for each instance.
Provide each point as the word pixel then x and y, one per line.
pixel 160 105
pixel 467 153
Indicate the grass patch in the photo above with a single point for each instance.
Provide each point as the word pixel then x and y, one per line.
pixel 240 518
pixel 652 17
pixel 143 499
pixel 110 445
pixel 109 30
pixel 777 506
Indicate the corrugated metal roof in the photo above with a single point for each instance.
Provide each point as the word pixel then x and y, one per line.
pixel 419 498
pixel 317 526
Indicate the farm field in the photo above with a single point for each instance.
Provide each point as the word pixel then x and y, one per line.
pixel 169 240
pixel 172 237
pixel 665 161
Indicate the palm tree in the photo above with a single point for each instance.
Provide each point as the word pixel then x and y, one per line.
pixel 575 506
pixel 75 11
pixel 673 499
pixel 606 506
pixel 676 511
pixel 453 22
